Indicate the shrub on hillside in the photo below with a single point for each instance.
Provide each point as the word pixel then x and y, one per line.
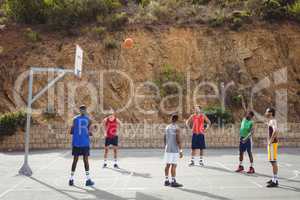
pixel 10 122
pixel 238 18
pixel 110 44
pixel 200 2
pixel 168 74
pixel 217 21
pixel 99 31
pixel 117 21
pixel 59 13
pixel 219 116
pixel 32 36
pixel 273 10
pixel 294 10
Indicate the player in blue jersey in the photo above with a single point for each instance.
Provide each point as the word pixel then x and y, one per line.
pixel 81 143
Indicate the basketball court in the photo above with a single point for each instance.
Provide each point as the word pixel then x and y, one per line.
pixel 142 177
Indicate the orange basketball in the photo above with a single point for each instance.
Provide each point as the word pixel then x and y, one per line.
pixel 128 43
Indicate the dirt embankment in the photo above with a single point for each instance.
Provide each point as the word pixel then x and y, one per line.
pixel 198 54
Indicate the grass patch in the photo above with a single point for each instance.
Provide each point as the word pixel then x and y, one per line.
pixel 10 122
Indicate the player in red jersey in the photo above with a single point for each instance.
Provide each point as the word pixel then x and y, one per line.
pixel 111 125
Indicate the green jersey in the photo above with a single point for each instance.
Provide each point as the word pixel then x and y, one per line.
pixel 246 127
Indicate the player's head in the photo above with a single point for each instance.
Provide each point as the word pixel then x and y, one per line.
pixel 198 109
pixel 250 114
pixel 174 117
pixel 270 112
pixel 82 109
pixel 112 112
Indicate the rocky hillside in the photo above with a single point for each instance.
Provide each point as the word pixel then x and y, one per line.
pixel 203 47
pixel 207 54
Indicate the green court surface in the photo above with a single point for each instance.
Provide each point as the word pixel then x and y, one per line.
pixel 142 175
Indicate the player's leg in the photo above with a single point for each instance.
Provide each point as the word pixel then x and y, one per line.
pixel 106 148
pixel 202 146
pixel 86 155
pixel 167 169
pixel 115 149
pixel 194 150
pixel 249 151
pixel 251 168
pixel 242 149
pixel 73 168
pixel 174 183
pixel 273 160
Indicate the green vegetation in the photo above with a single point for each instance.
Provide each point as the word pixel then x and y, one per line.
pixel 10 122
pixel 238 18
pixel 294 10
pixel 200 2
pixel 217 115
pixel 31 35
pixel 217 21
pixel 110 44
pixel 168 74
pixel 117 21
pixel 99 31
pixel 59 13
pixel 114 15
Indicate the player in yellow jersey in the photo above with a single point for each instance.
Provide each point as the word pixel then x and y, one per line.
pixel 272 145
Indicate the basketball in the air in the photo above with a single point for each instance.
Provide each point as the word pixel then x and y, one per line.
pixel 128 43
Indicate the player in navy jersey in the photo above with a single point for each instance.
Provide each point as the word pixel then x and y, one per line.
pixel 81 143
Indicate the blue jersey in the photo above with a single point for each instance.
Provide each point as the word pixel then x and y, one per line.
pixel 80 132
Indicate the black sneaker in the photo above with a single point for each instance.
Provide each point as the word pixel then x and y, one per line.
pixel 104 165
pixel 272 184
pixel 269 182
pixel 175 184
pixel 71 182
pixel 201 163
pixel 167 183
pixel 89 183
pixel 116 166
pixel 192 163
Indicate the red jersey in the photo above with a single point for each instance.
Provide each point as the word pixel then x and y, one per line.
pixel 111 127
pixel 198 124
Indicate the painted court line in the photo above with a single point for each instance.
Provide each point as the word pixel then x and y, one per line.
pixel 26 178
pixel 253 182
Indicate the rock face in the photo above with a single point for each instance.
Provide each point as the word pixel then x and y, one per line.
pixel 213 58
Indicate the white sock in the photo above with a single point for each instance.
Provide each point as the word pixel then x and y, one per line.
pixel 201 159
pixel 115 161
pixel 251 164
pixel 193 159
pixel 173 179
pixel 241 163
pixel 105 161
pixel 275 178
pixel 167 178
pixel 87 173
pixel 72 176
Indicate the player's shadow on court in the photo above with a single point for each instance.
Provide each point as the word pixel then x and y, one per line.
pixel 268 176
pixel 132 173
pixel 218 169
pixel 287 187
pixel 98 194
pixel 206 194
